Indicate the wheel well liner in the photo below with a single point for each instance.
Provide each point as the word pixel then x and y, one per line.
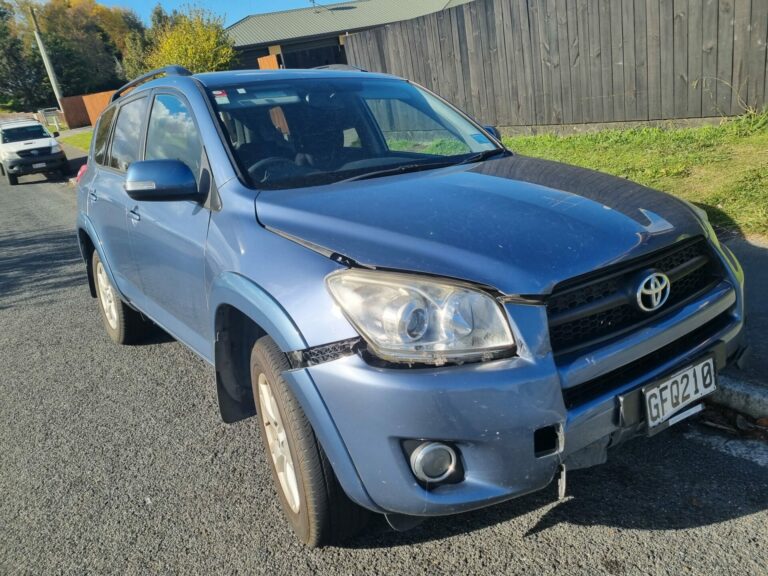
pixel 86 250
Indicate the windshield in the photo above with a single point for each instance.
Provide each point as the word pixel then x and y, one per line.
pixel 305 132
pixel 32 132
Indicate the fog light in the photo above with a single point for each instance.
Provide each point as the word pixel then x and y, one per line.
pixel 433 461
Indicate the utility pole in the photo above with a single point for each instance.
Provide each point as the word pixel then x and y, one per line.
pixel 46 61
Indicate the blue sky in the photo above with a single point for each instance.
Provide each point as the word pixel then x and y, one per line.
pixel 232 11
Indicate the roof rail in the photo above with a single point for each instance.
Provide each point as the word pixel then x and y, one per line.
pixel 340 67
pixel 168 71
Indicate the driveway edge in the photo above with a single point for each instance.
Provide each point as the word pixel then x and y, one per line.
pixel 745 397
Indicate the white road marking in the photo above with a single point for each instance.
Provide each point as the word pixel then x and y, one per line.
pixel 752 450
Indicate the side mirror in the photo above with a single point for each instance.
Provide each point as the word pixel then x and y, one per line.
pixel 161 181
pixel 493 132
pixel 55 134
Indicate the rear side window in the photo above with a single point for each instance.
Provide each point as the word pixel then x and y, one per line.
pixel 126 141
pixel 172 134
pixel 102 136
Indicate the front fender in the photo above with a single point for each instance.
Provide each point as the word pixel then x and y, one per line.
pixel 237 291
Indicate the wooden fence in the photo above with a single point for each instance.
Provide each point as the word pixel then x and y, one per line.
pixel 537 62
pixel 84 110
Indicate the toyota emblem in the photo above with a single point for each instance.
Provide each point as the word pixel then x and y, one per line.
pixel 653 291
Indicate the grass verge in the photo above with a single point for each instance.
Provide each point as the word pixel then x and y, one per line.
pixel 80 140
pixel 723 169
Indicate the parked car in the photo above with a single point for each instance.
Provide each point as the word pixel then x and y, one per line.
pixel 424 322
pixel 26 147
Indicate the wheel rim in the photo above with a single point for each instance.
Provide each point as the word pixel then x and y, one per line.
pixel 277 440
pixel 106 296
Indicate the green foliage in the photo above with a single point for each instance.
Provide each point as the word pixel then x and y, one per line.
pixel 722 168
pixel 194 39
pixel 439 147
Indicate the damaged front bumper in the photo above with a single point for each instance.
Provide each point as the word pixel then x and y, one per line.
pixel 514 422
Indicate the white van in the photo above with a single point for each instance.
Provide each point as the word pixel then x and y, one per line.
pixel 26 147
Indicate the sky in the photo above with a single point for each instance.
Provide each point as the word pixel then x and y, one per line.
pixel 232 10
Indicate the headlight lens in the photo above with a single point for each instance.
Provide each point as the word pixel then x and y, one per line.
pixel 55 149
pixel 413 319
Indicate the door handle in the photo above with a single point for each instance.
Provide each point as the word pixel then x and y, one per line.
pixel 93 196
pixel 134 215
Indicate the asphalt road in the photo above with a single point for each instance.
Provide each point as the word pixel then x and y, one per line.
pixel 114 460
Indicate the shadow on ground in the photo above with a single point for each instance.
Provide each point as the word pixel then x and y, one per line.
pixel 660 483
pixel 38 263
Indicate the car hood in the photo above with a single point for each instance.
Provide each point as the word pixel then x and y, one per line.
pixel 28 144
pixel 518 224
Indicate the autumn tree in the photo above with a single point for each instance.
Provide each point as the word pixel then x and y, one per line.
pixel 195 39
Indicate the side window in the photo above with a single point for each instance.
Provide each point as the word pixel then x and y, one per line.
pixel 127 138
pixel 172 133
pixel 102 136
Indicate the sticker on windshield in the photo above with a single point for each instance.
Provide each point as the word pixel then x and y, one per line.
pixel 481 138
pixel 220 96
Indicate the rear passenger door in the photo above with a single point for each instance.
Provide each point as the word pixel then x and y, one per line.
pixel 106 196
pixel 168 238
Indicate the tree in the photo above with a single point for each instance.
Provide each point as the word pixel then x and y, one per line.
pixel 23 83
pixel 194 39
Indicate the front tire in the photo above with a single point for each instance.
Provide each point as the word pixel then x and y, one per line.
pixel 123 324
pixel 312 499
pixel 12 178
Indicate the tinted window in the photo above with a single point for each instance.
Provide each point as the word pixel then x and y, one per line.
pixel 126 141
pixel 102 136
pixel 21 133
pixel 172 134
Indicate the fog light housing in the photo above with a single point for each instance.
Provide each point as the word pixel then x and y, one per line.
pixel 433 462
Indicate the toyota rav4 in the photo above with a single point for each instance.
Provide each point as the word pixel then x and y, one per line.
pixel 423 321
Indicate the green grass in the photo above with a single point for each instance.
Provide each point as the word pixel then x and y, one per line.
pixel 80 140
pixel 723 169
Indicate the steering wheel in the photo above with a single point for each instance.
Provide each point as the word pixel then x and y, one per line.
pixel 262 165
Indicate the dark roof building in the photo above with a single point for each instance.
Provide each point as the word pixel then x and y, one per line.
pixel 314 36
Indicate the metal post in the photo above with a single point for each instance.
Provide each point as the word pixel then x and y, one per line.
pixel 46 61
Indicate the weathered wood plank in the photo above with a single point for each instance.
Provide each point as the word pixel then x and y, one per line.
pixel 606 65
pixel 666 22
pixel 582 14
pixel 595 62
pixel 681 58
pixel 709 58
pixel 741 33
pixel 489 50
pixel 564 60
pixel 553 55
pixel 574 62
pixel 542 110
pixel 617 57
pixel 630 82
pixel 724 56
pixel 641 60
pixel 523 64
pixel 506 105
pixel 462 58
pixel 756 94
pixel 653 46
pixel 695 54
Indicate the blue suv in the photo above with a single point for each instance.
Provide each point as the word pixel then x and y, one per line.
pixel 424 322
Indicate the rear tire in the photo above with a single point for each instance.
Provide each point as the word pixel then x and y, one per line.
pixel 123 324
pixel 312 498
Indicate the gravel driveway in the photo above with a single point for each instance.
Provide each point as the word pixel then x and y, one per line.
pixel 114 460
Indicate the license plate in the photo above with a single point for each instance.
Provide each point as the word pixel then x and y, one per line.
pixel 39 165
pixel 666 398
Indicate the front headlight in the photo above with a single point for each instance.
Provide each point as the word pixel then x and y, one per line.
pixel 55 149
pixel 413 319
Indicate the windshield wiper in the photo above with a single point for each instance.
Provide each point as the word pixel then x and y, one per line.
pixel 400 169
pixel 484 155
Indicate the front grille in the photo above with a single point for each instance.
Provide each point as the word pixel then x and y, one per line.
pixel 32 152
pixel 601 305
pixel 678 350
